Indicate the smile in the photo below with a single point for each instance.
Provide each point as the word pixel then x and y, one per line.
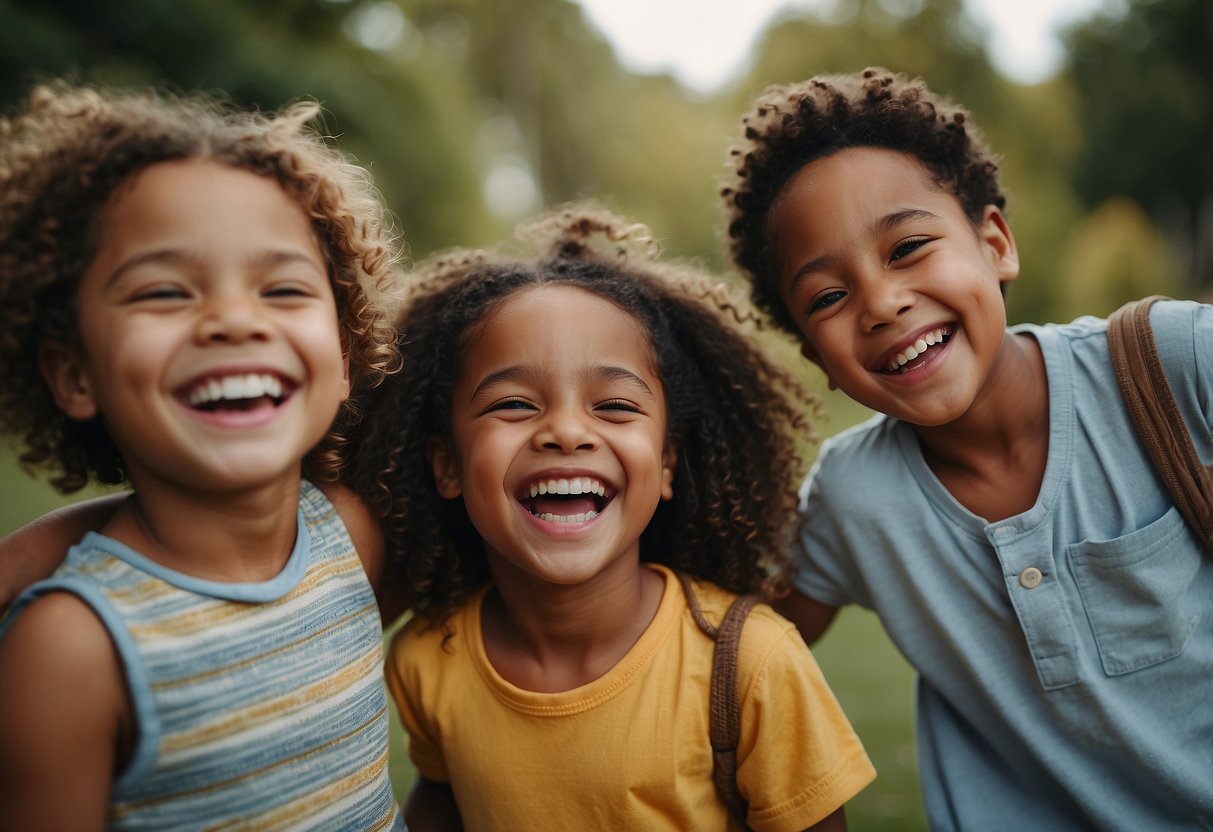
pixel 241 391
pixel 571 500
pixel 936 337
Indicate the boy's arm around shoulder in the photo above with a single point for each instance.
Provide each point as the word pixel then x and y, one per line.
pixel 366 533
pixel 36 549
pixel 64 711
pixel 812 618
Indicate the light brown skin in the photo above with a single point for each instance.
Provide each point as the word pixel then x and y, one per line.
pixel 178 291
pixel 869 252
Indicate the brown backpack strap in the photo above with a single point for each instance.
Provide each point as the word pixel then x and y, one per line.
pixel 1155 414
pixel 725 725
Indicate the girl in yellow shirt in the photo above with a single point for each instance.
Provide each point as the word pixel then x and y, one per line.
pixel 571 430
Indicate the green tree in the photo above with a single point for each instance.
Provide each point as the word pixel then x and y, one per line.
pixel 1112 256
pixel 1144 77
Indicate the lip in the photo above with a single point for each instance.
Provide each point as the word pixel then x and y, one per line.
pixel 262 390
pixel 919 359
pixel 587 492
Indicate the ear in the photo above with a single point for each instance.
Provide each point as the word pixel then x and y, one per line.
pixel 446 469
pixel 995 234
pixel 669 462
pixel 806 349
pixel 63 370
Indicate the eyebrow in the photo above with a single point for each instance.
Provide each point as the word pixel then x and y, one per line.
pixel 602 373
pixel 882 226
pixel 175 256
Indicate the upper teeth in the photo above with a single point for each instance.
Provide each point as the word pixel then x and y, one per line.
pixel 576 485
pixel 935 336
pixel 248 386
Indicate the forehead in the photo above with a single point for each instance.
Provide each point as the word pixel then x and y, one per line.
pixel 863 177
pixel 559 327
pixel 204 204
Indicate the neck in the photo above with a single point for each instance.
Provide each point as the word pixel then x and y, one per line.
pixel 546 637
pixel 243 537
pixel 993 458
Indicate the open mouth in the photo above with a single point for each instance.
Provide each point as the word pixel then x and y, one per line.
pixel 246 391
pixel 917 353
pixel 572 500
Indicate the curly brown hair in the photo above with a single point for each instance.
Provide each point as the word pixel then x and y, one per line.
pixel 793 125
pixel 62 158
pixel 735 415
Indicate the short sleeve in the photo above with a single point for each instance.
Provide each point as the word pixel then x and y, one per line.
pixel 799 760
pixel 405 681
pixel 825 567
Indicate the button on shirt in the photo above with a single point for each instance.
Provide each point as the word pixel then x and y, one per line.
pixel 1064 654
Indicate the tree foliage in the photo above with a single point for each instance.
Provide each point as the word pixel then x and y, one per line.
pixel 1145 98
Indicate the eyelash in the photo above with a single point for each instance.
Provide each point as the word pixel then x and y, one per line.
pixel 287 292
pixel 618 404
pixel 820 302
pixel 161 293
pixel 510 404
pixel 908 247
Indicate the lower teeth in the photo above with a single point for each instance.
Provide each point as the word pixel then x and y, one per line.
pixel 568 518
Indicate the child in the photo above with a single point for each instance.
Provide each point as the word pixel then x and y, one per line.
pixel 570 431
pixel 185 300
pixel 999 515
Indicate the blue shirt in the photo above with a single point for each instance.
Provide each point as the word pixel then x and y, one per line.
pixel 1065 655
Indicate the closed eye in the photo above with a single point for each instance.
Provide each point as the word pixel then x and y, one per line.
pixel 618 404
pixel 907 247
pixel 160 291
pixel 510 404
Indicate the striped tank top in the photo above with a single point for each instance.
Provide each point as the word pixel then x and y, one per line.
pixel 257 706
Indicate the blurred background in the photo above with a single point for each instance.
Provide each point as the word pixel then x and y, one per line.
pixel 474 114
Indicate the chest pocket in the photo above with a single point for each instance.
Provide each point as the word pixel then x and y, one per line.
pixel 1135 592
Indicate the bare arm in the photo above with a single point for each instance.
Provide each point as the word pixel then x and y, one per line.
pixel 36 549
pixel 837 822
pixel 63 713
pixel 811 617
pixel 431 808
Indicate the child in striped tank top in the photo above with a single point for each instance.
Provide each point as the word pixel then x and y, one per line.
pixel 186 300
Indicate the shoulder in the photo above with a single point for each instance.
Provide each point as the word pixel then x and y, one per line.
pixel 857 460
pixel 421 643
pixel 764 629
pixel 355 515
pixel 59 648
pixel 870 438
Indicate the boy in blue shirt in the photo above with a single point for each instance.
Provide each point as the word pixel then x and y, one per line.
pixel 998 513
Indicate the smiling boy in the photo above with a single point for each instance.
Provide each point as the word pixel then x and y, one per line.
pixel 999 513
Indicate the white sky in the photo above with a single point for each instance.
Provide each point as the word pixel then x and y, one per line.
pixel 703 42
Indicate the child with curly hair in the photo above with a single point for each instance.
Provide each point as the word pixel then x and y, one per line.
pixel 571 433
pixel 999 514
pixel 187 306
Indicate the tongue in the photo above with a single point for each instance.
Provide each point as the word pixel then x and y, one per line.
pixel 573 504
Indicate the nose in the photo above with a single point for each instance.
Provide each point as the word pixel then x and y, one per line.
pixel 231 318
pixel 884 298
pixel 566 428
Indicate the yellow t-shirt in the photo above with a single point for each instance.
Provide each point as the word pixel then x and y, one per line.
pixel 629 750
